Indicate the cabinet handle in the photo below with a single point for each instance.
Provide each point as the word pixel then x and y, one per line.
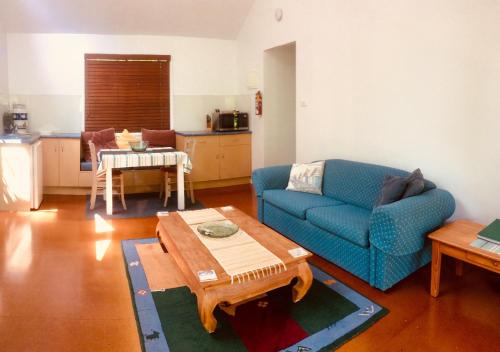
pixel 62 148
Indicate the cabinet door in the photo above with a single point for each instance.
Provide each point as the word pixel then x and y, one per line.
pixel 69 164
pixel 236 161
pixel 50 149
pixel 15 173
pixel 206 158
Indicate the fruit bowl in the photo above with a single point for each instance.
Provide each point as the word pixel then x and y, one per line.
pixel 138 146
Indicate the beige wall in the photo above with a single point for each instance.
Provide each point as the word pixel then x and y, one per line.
pixel 279 105
pixel 46 72
pixel 3 73
pixel 397 82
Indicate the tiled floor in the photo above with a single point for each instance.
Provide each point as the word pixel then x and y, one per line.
pixel 63 288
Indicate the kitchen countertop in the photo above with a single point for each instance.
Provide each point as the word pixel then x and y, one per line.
pixel 31 138
pixel 75 135
pixel 209 133
pixel 18 138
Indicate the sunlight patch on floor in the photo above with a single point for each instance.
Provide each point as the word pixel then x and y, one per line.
pixel 101 247
pixel 102 225
pixel 43 215
pixel 18 248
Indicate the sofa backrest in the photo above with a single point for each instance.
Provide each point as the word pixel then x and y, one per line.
pixel 358 183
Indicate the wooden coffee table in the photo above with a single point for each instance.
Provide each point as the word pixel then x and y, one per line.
pixel 191 256
pixel 454 240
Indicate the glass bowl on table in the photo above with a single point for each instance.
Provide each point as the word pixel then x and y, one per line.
pixel 218 229
pixel 139 146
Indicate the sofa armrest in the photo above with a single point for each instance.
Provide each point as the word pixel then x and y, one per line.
pixel 273 177
pixel 401 227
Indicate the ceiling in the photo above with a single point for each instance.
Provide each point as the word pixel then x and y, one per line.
pixel 195 18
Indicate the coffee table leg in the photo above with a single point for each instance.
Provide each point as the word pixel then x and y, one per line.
pixel 304 282
pixel 206 305
pixel 459 267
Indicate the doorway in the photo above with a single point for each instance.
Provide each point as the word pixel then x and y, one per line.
pixel 279 105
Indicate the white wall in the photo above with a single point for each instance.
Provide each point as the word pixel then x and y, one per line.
pixel 46 71
pixel 279 105
pixel 396 82
pixel 3 74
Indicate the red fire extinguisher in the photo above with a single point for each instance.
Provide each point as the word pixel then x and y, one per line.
pixel 258 103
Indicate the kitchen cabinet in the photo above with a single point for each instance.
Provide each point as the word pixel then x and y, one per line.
pixel 61 157
pixel 50 162
pixel 235 161
pixel 69 162
pixel 219 157
pixel 206 158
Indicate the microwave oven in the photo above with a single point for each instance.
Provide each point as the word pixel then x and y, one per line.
pixel 229 121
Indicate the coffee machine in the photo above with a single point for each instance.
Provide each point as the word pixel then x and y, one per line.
pixel 16 121
pixel 20 118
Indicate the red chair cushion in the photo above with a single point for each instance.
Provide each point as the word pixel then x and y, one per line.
pixel 104 139
pixel 85 138
pixel 159 138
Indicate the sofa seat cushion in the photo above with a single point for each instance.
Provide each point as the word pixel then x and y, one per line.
pixel 347 221
pixel 297 203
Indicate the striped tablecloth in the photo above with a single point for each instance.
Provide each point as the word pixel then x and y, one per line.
pixel 123 158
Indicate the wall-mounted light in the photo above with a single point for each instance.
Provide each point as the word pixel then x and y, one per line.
pixel 252 80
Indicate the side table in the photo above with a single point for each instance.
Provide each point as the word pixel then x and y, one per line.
pixel 454 240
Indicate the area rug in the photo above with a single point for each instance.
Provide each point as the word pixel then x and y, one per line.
pixel 167 318
pixel 139 205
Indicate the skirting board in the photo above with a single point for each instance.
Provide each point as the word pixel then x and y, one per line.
pixel 149 188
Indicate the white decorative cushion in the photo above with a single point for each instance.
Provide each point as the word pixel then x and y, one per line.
pixel 123 139
pixel 307 178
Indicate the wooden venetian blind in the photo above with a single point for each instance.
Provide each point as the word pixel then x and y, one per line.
pixel 127 91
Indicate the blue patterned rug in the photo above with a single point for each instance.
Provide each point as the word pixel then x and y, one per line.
pixel 329 315
pixel 139 205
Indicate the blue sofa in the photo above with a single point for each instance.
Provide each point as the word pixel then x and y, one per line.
pixel 381 245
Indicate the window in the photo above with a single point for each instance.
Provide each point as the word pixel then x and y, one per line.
pixel 127 91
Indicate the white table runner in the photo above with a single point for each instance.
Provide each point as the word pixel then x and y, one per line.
pixel 240 255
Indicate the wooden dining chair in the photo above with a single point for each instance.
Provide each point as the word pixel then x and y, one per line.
pixel 170 176
pixel 99 180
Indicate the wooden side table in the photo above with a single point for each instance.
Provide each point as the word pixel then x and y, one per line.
pixel 454 239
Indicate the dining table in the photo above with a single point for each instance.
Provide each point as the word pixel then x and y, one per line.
pixel 151 158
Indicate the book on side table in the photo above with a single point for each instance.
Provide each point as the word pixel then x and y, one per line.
pixel 488 239
pixel 491 233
